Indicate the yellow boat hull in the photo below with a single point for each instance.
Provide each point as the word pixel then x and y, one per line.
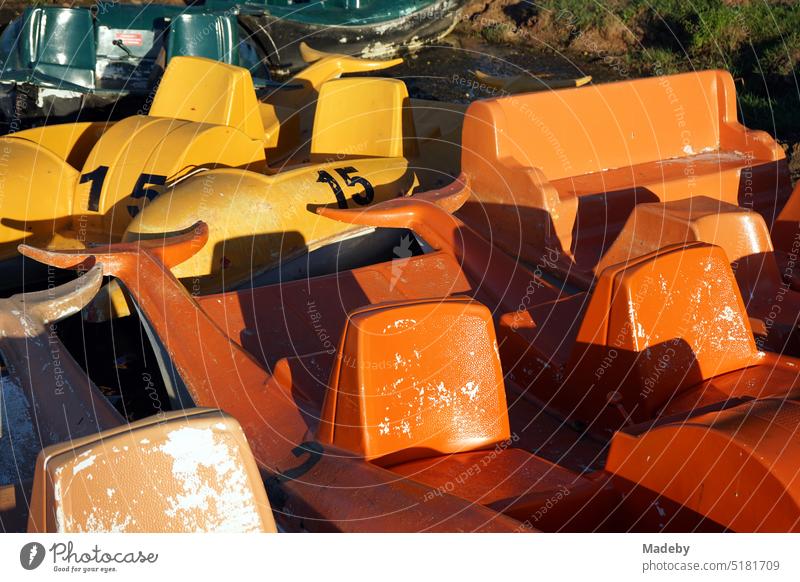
pixel 257 220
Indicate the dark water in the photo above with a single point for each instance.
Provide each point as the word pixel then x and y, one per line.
pixel 444 71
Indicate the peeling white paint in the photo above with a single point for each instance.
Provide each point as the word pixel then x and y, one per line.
pixel 43 93
pixel 470 390
pixel 88 462
pixel 233 504
pixel 400 324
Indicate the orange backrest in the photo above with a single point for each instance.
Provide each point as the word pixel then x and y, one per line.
pixel 573 132
pixel 736 466
pixel 679 311
pixel 739 231
pixel 187 471
pixel 416 379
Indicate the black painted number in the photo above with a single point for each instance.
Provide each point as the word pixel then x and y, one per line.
pixel 369 192
pixel 362 198
pixel 96 177
pixel 142 190
pixel 326 178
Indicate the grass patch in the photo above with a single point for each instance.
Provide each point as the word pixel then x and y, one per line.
pixel 758 41
pixel 496 33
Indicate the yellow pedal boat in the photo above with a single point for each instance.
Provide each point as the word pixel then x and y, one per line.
pixel 220 151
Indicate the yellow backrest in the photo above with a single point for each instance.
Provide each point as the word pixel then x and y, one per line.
pixel 360 117
pixel 206 91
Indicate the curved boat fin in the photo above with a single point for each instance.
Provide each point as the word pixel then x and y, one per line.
pixel 494 81
pixel 397 213
pixel 403 212
pixel 527 83
pixel 171 251
pixel 326 66
pixel 450 197
pixel 311 55
pixel 72 407
pixel 59 302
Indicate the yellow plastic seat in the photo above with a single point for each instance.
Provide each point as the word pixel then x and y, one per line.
pixel 361 117
pixel 206 91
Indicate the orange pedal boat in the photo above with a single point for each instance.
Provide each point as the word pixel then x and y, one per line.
pixel 454 389
pixel 69 463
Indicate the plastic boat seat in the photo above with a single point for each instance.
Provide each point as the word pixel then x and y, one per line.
pixel 185 472
pixel 563 169
pixel 786 237
pixel 188 33
pixel 665 322
pixel 207 91
pixel 416 379
pixel 55 59
pixel 418 388
pixel 740 232
pixel 737 466
pixel 652 327
pixel 362 117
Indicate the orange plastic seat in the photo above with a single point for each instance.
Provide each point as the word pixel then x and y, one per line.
pixel 418 389
pixel 738 231
pixel 672 318
pixel 737 466
pixel 745 238
pixel 416 380
pixel 786 237
pixel 652 328
pixel 189 471
pixel 561 171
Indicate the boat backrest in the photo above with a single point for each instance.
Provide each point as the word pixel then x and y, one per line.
pixel 573 132
pixel 179 472
pixel 207 91
pixel 677 309
pixel 360 117
pixel 741 232
pixel 212 36
pixel 40 46
pixel 416 379
pixel 735 465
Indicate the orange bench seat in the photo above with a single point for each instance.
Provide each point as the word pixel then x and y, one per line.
pixel 563 170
